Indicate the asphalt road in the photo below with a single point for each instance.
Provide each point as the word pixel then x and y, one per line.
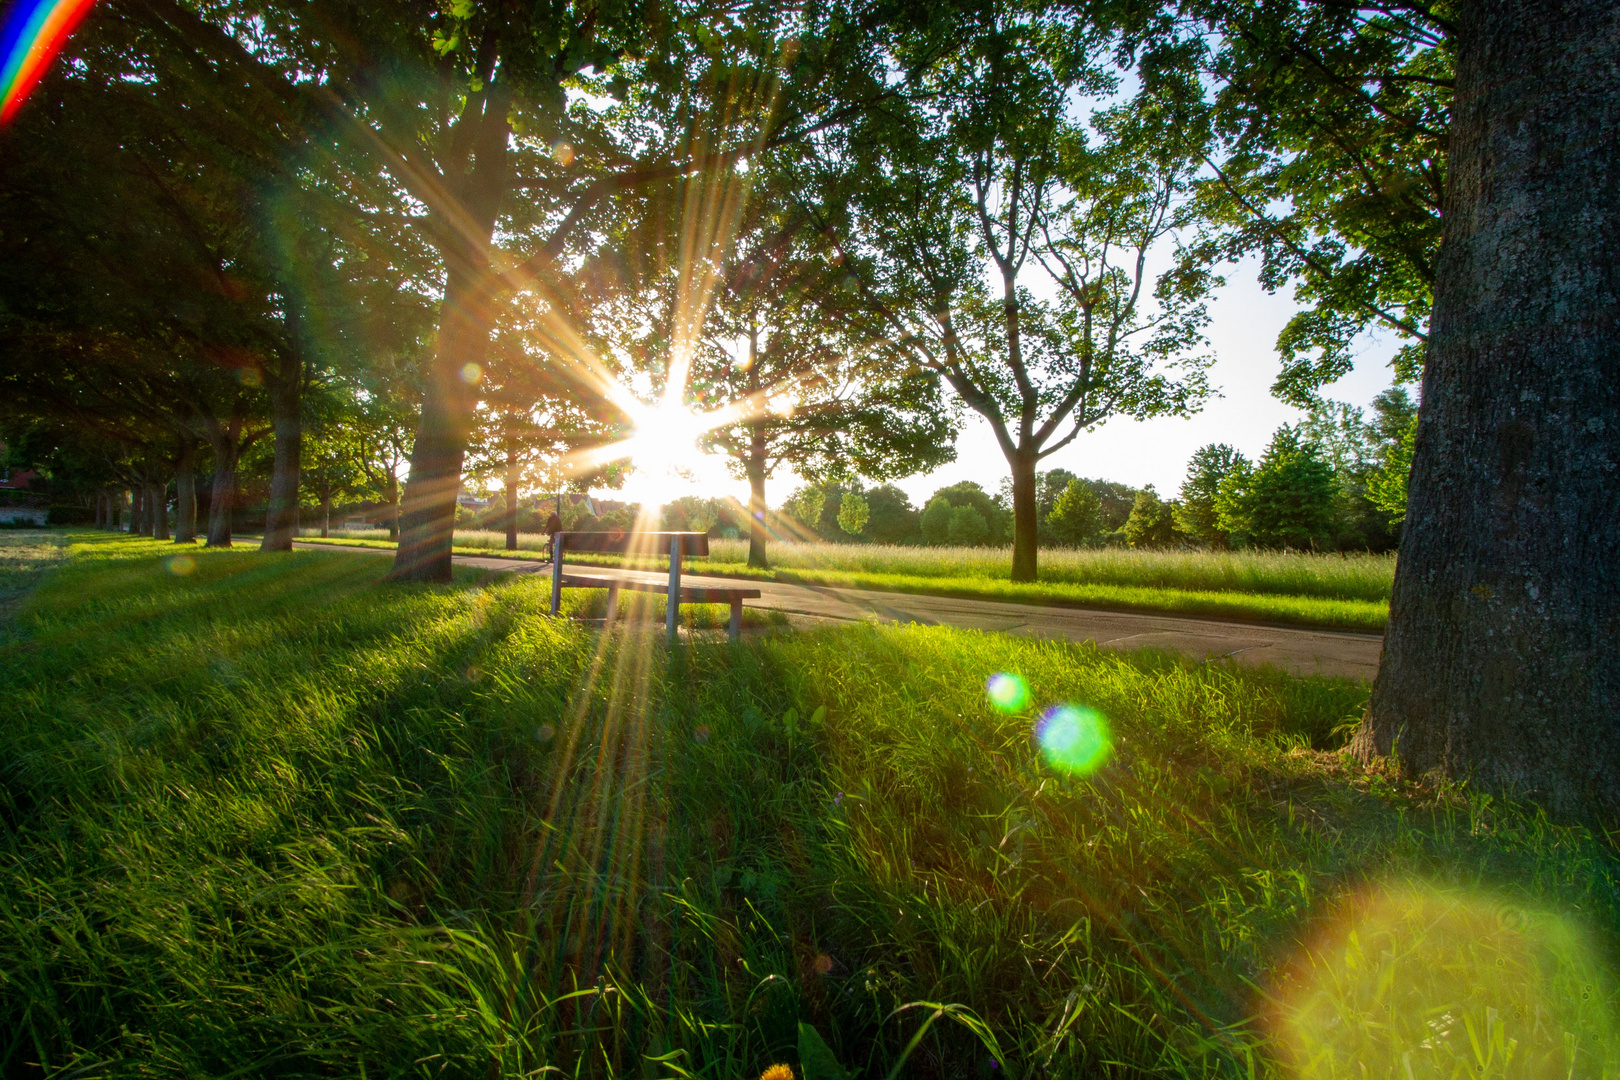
pixel 1309 652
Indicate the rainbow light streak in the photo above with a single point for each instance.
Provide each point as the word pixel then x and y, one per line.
pixel 34 32
pixel 1007 691
pixel 1073 738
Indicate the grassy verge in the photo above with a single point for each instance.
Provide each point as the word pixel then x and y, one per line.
pixel 264 815
pixel 1362 616
pixel 1293 573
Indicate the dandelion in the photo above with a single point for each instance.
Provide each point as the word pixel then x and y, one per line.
pixel 777 1072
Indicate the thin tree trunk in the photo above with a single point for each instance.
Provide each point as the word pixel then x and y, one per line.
pixel 99 516
pixel 137 511
pixel 117 511
pixel 757 534
pixel 287 422
pixel 1026 517
pixel 222 493
pixel 1500 663
pixel 511 496
pixel 185 493
pixel 393 507
pixel 326 511
pixel 427 512
pixel 158 498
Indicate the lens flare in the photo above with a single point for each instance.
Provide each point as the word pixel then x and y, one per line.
pixel 471 373
pixel 1007 691
pixel 1073 738
pixel 181 565
pixel 1413 980
pixel 34 32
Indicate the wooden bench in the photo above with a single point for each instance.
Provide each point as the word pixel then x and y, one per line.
pixel 678 545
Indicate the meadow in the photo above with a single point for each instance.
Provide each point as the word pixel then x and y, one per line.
pixel 1345 592
pixel 264 815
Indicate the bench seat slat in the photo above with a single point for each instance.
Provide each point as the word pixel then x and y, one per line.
pixel 690 594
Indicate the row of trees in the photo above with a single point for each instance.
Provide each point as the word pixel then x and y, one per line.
pixel 523 220
pixel 1334 482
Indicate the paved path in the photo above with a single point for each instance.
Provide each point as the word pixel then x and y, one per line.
pixel 1310 652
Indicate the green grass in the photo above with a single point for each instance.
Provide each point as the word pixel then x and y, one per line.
pixel 1328 591
pixel 272 817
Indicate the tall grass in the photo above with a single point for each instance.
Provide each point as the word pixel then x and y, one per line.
pixel 264 815
pixel 1339 577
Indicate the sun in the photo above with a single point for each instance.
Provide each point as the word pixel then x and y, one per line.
pixel 663 449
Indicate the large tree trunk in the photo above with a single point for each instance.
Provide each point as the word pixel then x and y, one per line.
pixel 511 496
pixel 185 493
pixel 157 497
pixel 222 494
pixel 757 534
pixel 287 421
pixel 101 507
pixel 427 517
pixel 1500 664
pixel 1025 516
pixel 428 514
pixel 138 521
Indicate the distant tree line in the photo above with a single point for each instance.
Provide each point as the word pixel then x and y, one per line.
pixel 1336 481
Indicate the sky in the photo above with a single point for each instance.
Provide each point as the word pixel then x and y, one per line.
pixel 1245 321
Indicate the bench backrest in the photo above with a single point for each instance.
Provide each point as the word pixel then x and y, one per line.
pixel 620 542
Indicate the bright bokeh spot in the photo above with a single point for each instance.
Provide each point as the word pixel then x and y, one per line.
pixel 1413 981
pixel 471 373
pixel 1007 691
pixel 1073 738
pixel 181 565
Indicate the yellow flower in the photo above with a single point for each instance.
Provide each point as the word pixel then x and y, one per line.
pixel 777 1072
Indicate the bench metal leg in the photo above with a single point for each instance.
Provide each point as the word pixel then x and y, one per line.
pixel 736 619
pixel 672 611
pixel 556 573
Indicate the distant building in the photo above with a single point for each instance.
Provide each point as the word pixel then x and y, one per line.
pixel 19 505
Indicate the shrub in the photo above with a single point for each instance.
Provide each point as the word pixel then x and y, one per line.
pixel 967 527
pixel 936 522
pixel 1076 517
pixel 1151 523
pixel 853 513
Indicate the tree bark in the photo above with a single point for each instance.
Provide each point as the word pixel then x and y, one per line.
pixel 185 493
pixel 101 500
pixel 1500 664
pixel 157 497
pixel 757 534
pixel 137 511
pixel 226 442
pixel 427 515
pixel 287 422
pixel 1025 517
pixel 511 495
pixel 428 511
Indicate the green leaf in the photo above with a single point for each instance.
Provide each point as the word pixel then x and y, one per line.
pixel 816 1060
